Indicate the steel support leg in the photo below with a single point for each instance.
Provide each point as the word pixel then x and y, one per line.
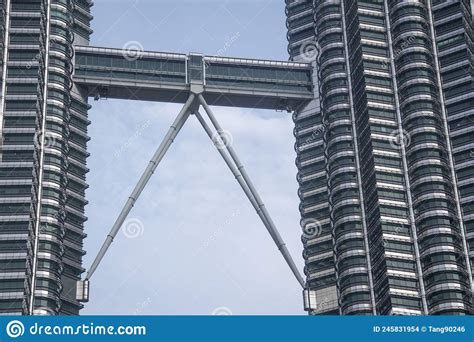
pixel 157 157
pixel 235 171
pixel 267 220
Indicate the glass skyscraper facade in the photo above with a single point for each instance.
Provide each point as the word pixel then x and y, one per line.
pixel 385 155
pixel 42 155
pixel 385 150
pixel 47 73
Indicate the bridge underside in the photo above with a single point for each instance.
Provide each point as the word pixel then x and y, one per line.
pixel 166 77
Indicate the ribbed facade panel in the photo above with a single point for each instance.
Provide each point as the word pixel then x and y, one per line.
pixel 395 97
pixel 311 162
pixel 43 156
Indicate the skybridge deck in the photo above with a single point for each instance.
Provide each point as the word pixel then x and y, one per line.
pixel 167 77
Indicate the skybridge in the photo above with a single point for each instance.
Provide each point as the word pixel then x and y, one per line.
pixel 198 82
pixel 167 77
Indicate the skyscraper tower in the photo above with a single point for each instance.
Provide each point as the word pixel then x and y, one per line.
pixel 385 155
pixel 42 155
pixel 48 71
pixel 385 148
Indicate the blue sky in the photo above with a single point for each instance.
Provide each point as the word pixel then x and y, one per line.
pixel 199 247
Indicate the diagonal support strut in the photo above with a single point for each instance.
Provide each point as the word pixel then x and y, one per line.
pixel 234 164
pixel 157 157
pixel 245 182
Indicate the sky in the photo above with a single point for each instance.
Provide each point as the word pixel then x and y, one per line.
pixel 193 244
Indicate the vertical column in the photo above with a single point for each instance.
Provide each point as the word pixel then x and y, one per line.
pixel 5 38
pixel 436 209
pixel 312 177
pixel 452 26
pixel 78 33
pixel 359 307
pixel 61 138
pixel 466 306
pixel 402 144
pixel 41 145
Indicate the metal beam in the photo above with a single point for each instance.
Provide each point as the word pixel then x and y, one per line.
pixel 157 157
pixel 260 206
